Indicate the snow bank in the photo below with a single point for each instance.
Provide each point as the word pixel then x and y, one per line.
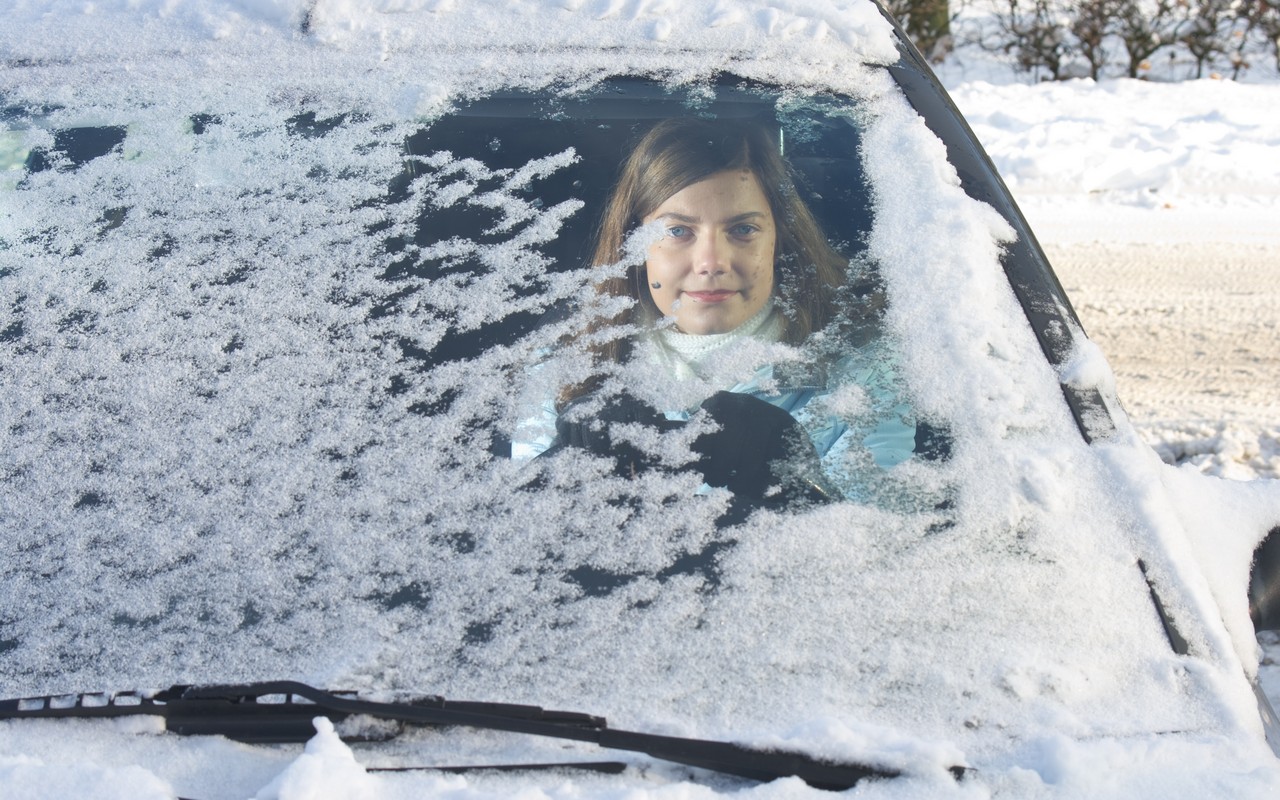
pixel 1230 450
pixel 1138 143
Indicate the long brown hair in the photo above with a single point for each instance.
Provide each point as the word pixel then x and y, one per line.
pixel 679 152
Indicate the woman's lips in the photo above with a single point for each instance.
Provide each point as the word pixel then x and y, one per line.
pixel 716 296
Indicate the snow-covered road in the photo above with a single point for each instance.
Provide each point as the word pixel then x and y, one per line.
pixel 1185 303
pixel 1192 330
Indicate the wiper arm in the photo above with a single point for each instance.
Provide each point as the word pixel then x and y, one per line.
pixel 250 713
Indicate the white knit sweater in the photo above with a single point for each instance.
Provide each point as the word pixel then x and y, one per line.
pixel 684 353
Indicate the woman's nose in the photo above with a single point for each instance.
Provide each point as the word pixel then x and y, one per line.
pixel 711 256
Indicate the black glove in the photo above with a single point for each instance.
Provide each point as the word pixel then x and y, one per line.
pixel 758 447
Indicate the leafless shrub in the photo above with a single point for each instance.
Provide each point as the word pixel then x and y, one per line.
pixel 1060 39
pixel 1145 27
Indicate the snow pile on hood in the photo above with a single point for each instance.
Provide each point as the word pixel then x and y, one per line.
pixel 1226 521
pixel 812 37
pixel 27 778
pixel 326 769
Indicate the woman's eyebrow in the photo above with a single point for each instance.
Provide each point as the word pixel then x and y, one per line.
pixel 672 215
pixel 744 216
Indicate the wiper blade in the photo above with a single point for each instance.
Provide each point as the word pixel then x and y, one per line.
pixel 281 711
pixel 603 767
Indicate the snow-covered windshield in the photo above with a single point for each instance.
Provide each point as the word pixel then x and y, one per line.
pixel 280 334
pixel 299 387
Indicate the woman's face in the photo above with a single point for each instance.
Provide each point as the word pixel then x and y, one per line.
pixel 714 265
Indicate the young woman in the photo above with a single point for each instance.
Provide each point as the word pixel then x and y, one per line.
pixel 733 256
pixel 683 162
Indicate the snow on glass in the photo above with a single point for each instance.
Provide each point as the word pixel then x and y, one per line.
pixel 260 363
pixel 247 427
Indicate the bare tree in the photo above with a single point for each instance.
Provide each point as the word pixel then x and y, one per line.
pixel 1262 19
pixel 1091 22
pixel 1207 30
pixel 1145 28
pixel 1029 30
pixel 1060 39
pixel 927 23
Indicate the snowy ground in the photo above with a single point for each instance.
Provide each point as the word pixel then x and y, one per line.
pixel 1157 205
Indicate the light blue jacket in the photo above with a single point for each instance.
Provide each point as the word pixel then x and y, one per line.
pixel 888 433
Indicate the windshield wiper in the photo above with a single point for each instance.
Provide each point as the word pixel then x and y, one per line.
pixel 281 711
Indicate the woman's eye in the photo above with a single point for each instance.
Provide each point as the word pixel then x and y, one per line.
pixel 743 230
pixel 677 231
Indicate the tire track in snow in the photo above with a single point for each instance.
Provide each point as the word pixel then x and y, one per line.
pixel 1191 329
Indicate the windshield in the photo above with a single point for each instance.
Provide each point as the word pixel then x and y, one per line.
pixel 347 396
